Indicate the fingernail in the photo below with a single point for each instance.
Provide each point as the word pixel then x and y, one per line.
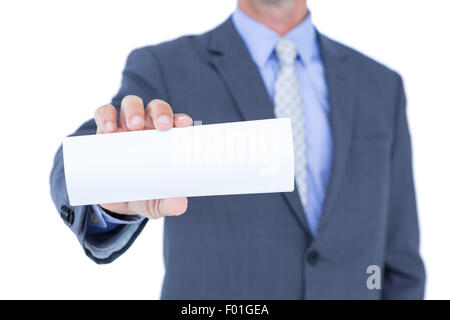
pixel 137 121
pixel 164 120
pixel 109 126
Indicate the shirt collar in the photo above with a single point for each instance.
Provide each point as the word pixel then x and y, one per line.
pixel 261 41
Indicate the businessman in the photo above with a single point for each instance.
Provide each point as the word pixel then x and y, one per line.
pixel 349 230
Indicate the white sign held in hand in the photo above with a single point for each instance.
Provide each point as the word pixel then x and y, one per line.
pixel 218 159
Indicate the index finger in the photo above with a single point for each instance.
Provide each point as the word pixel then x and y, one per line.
pixel 106 119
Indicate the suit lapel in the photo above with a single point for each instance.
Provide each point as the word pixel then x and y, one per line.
pixel 232 60
pixel 230 57
pixel 341 82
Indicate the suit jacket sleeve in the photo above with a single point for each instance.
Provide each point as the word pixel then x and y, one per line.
pixel 404 274
pixel 141 77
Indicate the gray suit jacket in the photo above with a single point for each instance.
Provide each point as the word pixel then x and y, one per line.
pixel 259 246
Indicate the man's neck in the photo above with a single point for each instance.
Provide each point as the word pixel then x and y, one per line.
pixel 280 19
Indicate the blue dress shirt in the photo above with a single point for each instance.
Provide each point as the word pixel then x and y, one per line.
pixel 260 42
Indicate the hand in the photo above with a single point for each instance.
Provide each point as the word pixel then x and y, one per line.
pixel 158 115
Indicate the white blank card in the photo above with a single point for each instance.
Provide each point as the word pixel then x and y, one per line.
pixel 217 159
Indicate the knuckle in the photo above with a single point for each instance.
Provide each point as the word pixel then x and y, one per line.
pixel 147 208
pixel 105 111
pixel 159 105
pixel 157 101
pixel 98 111
pixel 157 208
pixel 150 209
pixel 185 116
pixel 132 98
pixel 132 102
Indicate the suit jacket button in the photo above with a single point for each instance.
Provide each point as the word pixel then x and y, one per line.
pixel 66 214
pixel 313 257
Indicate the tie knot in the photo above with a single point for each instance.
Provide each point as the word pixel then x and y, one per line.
pixel 286 52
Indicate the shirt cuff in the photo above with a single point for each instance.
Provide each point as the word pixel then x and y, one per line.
pixel 99 220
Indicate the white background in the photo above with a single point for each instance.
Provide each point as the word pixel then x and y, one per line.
pixel 59 60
